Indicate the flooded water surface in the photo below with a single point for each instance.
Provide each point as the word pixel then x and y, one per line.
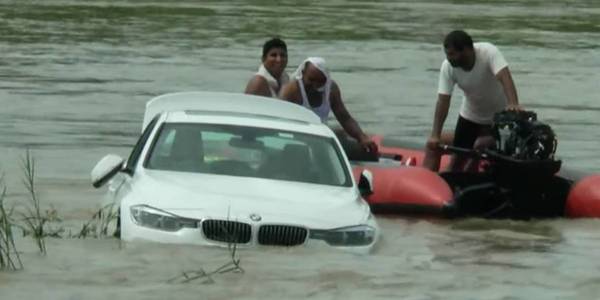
pixel 75 76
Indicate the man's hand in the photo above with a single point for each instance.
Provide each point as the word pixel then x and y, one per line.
pixel 433 143
pixel 514 107
pixel 369 145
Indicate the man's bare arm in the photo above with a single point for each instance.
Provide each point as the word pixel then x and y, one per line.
pixel 508 85
pixel 343 116
pixel 289 92
pixel 347 121
pixel 258 86
pixel 441 112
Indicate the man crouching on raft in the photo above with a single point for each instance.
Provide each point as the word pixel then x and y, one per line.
pixel 312 87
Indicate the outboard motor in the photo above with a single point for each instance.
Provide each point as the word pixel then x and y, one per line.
pixel 525 164
pixel 519 181
pixel 525 147
pixel 521 136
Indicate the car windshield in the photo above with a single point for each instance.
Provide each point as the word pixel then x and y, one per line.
pixel 249 152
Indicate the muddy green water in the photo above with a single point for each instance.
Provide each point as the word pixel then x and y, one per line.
pixel 74 77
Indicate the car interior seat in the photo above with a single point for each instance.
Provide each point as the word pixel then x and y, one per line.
pixel 187 152
pixel 297 163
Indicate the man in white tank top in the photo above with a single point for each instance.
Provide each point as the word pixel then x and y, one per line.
pixel 481 71
pixel 312 87
pixel 271 74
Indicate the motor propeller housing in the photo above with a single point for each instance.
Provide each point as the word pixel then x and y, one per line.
pixel 520 135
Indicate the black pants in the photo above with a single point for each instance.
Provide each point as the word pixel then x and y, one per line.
pixel 467 132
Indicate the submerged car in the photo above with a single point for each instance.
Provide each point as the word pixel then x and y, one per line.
pixel 220 168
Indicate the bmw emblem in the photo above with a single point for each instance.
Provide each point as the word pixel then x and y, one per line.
pixel 255 217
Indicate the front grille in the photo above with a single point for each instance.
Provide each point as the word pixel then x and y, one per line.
pixel 281 235
pixel 227 231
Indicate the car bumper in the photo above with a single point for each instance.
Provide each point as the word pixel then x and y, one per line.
pixel 130 231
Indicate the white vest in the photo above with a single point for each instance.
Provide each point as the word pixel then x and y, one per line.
pixel 323 110
pixel 274 85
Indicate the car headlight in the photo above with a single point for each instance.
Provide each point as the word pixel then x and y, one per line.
pixel 360 235
pixel 154 218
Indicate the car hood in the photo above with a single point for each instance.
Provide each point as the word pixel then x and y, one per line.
pixel 204 196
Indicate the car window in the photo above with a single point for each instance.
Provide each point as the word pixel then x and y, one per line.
pixel 139 146
pixel 248 152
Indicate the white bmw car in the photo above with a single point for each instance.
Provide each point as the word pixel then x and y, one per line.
pixel 220 168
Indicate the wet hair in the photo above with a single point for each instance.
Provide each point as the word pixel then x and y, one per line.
pixel 273 43
pixel 458 40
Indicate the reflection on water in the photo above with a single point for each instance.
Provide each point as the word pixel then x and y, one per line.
pixel 75 75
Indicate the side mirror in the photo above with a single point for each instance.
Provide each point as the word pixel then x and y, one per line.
pixel 105 169
pixel 365 183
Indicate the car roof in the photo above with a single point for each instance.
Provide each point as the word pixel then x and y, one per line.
pixel 229 104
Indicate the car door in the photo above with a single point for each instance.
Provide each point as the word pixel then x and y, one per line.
pixel 120 184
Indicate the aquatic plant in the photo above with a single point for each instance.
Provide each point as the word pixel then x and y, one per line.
pixel 233 265
pixel 33 218
pixel 99 224
pixel 9 256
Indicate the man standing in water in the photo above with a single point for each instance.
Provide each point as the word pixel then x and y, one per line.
pixel 480 70
pixel 313 88
pixel 271 74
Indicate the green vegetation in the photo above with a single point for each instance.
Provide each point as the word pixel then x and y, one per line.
pixel 99 224
pixel 206 277
pixel 9 256
pixel 41 224
pixel 33 218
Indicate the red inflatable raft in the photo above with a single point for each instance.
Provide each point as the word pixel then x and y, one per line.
pixel 511 189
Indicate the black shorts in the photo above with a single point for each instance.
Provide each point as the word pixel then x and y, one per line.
pixel 467 132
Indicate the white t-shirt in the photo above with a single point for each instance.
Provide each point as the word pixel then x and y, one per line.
pixel 484 94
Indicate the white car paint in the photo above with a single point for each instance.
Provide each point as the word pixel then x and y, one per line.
pixel 197 199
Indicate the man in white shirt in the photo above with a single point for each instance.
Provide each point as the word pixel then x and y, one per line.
pixel 480 70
